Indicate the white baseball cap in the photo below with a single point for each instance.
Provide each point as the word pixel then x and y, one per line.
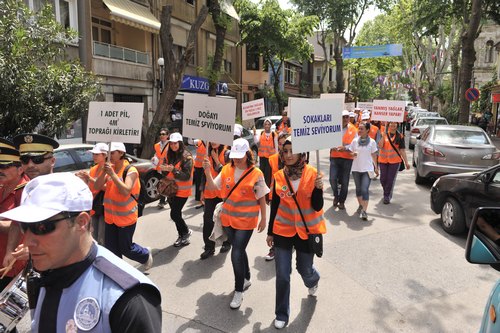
pixel 49 195
pixel 365 116
pixel 239 148
pixel 352 114
pixel 175 137
pixel 345 113
pixel 118 146
pixel 238 130
pixel 100 148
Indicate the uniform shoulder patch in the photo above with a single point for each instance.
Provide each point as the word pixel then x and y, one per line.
pixel 115 273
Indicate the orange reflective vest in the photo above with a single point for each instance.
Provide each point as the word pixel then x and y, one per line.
pixel 266 145
pixel 241 209
pixel 201 151
pixel 119 209
pixel 387 154
pixel 373 131
pixel 211 194
pixel 160 154
pixel 349 135
pixel 274 161
pixel 93 173
pixel 185 186
pixel 288 221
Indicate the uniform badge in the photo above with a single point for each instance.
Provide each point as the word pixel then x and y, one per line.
pixel 282 194
pixel 87 314
pixel 28 139
pixel 71 326
pixel 284 188
pixel 228 179
pixel 243 192
pixel 289 194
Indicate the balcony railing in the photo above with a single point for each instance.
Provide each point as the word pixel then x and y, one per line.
pixel 120 53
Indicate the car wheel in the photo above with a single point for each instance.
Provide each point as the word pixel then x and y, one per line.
pixel 452 216
pixel 419 180
pixel 151 182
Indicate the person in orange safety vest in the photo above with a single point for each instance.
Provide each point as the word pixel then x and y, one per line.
pixel 341 162
pixel 240 211
pixel 159 158
pixel 286 230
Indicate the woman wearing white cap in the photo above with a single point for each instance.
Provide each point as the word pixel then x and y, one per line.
pixel 122 187
pixel 179 167
pixel 243 188
pixel 99 154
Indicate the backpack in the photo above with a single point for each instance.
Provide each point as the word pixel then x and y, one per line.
pixel 142 194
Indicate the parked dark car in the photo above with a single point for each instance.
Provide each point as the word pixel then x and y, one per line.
pixel 457 196
pixel 75 157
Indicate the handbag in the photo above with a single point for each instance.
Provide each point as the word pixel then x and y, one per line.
pixel 97 204
pixel 167 187
pixel 218 208
pixel 315 241
pixel 402 165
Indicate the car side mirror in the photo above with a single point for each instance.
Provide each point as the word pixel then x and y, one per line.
pixel 484 178
pixel 483 241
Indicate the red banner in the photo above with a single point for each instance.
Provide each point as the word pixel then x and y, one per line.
pixel 495 98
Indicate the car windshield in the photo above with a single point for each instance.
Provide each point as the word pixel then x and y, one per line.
pixel 453 136
pixel 430 121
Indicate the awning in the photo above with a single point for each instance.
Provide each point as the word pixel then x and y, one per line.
pixel 133 14
pixel 227 7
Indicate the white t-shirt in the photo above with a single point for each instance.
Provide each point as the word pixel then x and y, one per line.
pixel 363 162
pixel 259 188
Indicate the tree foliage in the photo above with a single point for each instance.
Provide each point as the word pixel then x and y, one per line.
pixel 276 34
pixel 39 88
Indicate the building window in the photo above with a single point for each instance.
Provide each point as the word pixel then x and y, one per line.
pixel 65 11
pixel 101 30
pixel 246 97
pixel 290 74
pixel 330 75
pixel 318 74
pixel 228 66
pixel 252 59
pixel 191 2
pixel 489 52
pixel 331 50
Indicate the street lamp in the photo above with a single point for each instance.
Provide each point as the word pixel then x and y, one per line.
pixel 161 63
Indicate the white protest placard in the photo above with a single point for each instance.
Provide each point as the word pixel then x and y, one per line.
pixel 349 106
pixel 386 110
pixel 316 123
pixel 119 122
pixel 333 96
pixel 365 105
pixel 209 118
pixel 253 109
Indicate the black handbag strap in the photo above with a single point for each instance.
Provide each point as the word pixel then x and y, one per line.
pixel 124 175
pixel 238 183
pixel 392 144
pixel 296 202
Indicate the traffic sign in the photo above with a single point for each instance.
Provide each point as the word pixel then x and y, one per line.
pixel 472 94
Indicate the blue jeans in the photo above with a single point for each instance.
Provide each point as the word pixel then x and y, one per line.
pixel 340 169
pixel 239 239
pixel 119 241
pixel 283 262
pixel 362 181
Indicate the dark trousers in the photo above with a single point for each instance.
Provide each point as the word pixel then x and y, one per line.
pixel 208 221
pixel 176 205
pixel 265 167
pixel 197 176
pixel 119 241
pixel 239 239
pixel 340 170
pixel 388 173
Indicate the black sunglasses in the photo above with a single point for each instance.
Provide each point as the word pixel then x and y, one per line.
pixel 6 166
pixel 38 159
pixel 45 227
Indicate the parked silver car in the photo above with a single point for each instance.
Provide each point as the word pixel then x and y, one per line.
pixel 421 124
pixel 449 149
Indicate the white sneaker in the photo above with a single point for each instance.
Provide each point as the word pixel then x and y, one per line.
pixel 237 299
pixel 312 290
pixel 279 324
pixel 247 284
pixel 149 263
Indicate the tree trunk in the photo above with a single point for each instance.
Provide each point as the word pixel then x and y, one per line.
pixel 339 64
pixel 455 68
pixel 322 43
pixel 174 69
pixel 276 84
pixel 468 58
pixel 220 34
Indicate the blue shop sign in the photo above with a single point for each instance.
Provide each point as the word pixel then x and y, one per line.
pixel 200 84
